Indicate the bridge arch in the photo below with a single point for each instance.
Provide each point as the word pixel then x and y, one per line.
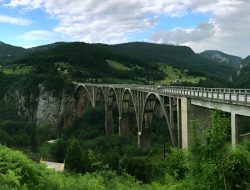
pixel 81 86
pixel 83 98
pixel 157 98
pixel 112 94
pixel 100 95
pixel 126 99
pixel 112 111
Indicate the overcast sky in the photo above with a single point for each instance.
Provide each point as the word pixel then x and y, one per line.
pixel 201 24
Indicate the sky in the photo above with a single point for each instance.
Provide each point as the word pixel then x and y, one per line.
pixel 200 24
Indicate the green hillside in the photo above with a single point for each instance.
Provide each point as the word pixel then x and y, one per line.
pixel 143 61
pixel 181 57
pixel 242 79
pixel 246 61
pixel 9 53
pixel 222 58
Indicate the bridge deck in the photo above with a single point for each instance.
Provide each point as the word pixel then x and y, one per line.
pixel 225 95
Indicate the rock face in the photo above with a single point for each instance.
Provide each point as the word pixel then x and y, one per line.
pixel 58 110
pixel 25 105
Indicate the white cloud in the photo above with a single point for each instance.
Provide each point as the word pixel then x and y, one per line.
pixel 38 35
pixel 107 21
pixel 113 21
pixel 180 36
pixel 13 20
pixel 232 19
pixel 228 31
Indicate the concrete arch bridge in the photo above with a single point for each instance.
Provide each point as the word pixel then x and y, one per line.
pixel 177 104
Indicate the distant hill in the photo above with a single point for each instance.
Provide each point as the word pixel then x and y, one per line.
pixel 242 79
pixel 44 47
pixel 90 61
pixel 9 53
pixel 178 56
pixel 129 62
pixel 246 61
pixel 222 58
pixel 94 56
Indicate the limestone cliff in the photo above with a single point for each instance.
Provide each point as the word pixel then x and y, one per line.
pixel 57 110
pixel 46 107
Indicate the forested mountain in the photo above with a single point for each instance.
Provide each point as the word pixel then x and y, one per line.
pixel 222 58
pixel 177 56
pixel 44 47
pixel 10 53
pixel 140 59
pixel 246 61
pixel 136 62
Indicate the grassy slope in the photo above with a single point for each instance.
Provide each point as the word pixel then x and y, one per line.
pixel 91 60
pixel 173 75
pixel 9 53
pixel 181 57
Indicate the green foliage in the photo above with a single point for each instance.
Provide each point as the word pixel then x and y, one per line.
pixel 74 157
pixel 45 132
pixel 213 163
pixel 18 134
pixel 142 168
pixel 177 163
pixel 59 150
pixel 210 163
pixel 18 172
pixel 216 136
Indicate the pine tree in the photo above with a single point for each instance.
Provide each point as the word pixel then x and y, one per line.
pixel 74 157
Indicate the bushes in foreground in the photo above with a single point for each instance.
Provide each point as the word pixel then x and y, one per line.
pixel 210 163
pixel 18 172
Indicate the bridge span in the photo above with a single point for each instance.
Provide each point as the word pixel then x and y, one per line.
pixel 178 105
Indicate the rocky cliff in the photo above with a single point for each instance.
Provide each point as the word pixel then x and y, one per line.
pixel 58 110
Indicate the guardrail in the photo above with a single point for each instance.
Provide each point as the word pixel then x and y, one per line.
pixel 239 96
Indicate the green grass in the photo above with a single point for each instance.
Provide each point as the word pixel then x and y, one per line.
pixel 173 74
pixel 118 66
pixel 17 70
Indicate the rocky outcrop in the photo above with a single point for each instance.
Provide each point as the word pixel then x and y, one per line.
pixel 25 105
pixel 58 110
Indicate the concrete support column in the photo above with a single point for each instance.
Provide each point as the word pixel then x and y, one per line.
pixel 179 144
pixel 234 129
pixel 124 125
pixel 171 112
pixel 93 104
pixel 144 138
pixel 185 116
pixel 109 122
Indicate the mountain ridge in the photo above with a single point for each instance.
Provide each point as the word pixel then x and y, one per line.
pixel 221 57
pixel 134 55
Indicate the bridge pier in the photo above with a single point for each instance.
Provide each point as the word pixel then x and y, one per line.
pixel 185 117
pixel 124 125
pixel 144 138
pixel 174 119
pixel 179 133
pixel 109 121
pixel 234 129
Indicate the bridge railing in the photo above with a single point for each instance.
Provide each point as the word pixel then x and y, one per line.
pixel 216 94
pixel 240 96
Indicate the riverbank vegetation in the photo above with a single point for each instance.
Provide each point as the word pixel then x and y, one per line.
pixel 96 161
